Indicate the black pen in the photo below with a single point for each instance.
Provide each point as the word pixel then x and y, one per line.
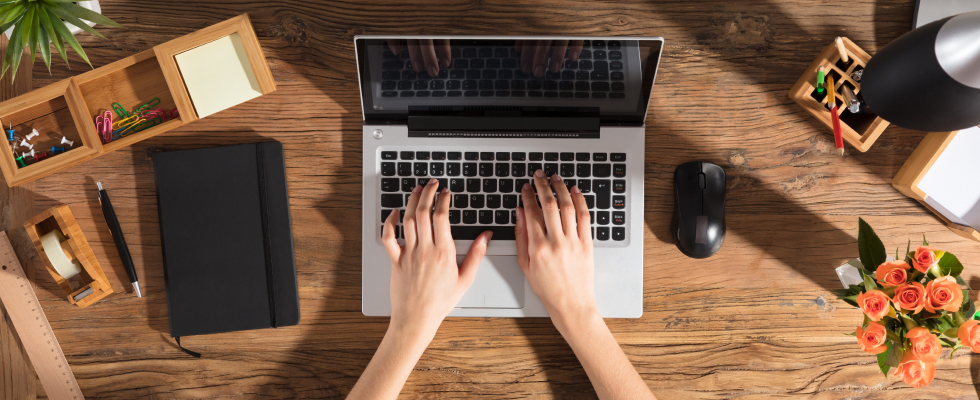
pixel 117 236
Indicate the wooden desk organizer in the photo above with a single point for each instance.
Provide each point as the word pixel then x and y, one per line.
pixel 861 129
pixel 68 108
pixel 75 246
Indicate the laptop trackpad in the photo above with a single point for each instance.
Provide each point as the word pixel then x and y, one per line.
pixel 499 283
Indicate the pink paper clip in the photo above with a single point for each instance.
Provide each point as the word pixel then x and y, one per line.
pixel 103 125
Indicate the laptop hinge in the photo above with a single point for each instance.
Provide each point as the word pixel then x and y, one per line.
pixel 503 124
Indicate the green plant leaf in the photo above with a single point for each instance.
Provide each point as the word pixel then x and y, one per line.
pixel 969 307
pixel 924 241
pixel 59 45
pixel 11 59
pixel 11 12
pixel 882 360
pixel 950 265
pixel 870 248
pixel 64 33
pixel 33 40
pixel 45 47
pixel 25 25
pixel 869 282
pixel 71 19
pixel 88 15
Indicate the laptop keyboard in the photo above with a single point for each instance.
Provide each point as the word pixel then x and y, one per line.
pixel 494 71
pixel 486 187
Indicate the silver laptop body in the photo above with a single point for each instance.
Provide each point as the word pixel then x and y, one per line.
pixel 482 127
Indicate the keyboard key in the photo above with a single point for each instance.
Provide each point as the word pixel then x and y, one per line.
pixel 599 75
pixel 619 217
pixel 601 170
pixel 602 218
pixel 617 157
pixel 602 233
pixel 391 75
pixel 598 95
pixel 502 169
pixel 582 75
pixel 453 85
pixel 550 85
pixel 405 85
pixel 619 233
pixel 436 169
pixel 424 93
pixel 461 200
pixel 601 189
pixel 550 169
pixel 586 65
pixel 502 156
pixel 443 183
pixel 619 202
pixel 421 169
pixel 469 217
pixel 486 217
pixel 502 93
pixel 471 155
pixel 566 157
pixel 391 200
pixel 566 85
pixel 532 168
pixel 469 169
pixel 489 185
pixel 408 184
pixel 534 85
pixel 616 65
pixel 619 186
pixel 469 84
pixel 392 65
pixel 599 54
pixel 600 86
pixel 486 169
pixel 408 155
pixel 486 52
pixel 462 232
pixel 486 156
pixel 422 155
pixel 552 75
pixel 457 185
pixel 519 184
pixel 568 75
pixel 452 169
pixel 501 84
pixel 582 86
pixel 510 63
pixel 404 169
pixel 389 85
pixel 486 93
pixel 518 85
pixel 388 169
pixel 518 156
pixel 384 214
pixel 616 55
pixel 476 200
pixel 518 169
pixel 617 76
pixel 455 93
pixel 389 94
pixel 473 185
pixel 421 85
pixel 551 156
pixel 566 95
pixel 477 64
pixel 599 157
pixel 454 217
pixel 506 186
pixel 501 217
pixel 455 155
pixel 585 185
pixel 489 74
pixel 589 200
pixel 584 170
pixel 510 201
pixel 582 157
pixel 493 201
pixel 614 44
pixel 618 87
pixel 506 74
pixel 585 54
pixel 462 63
pixel 486 84
pixel 389 184
pixel 569 183
pixel 619 170
pixel 536 157
pixel 567 170
pixel 438 155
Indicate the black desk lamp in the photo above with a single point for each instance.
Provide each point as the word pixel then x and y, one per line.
pixel 928 79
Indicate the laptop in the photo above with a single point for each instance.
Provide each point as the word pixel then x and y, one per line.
pixel 482 127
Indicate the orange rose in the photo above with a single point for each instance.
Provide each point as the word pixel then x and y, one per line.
pixel 925 345
pixel 873 339
pixel 943 294
pixel 925 258
pixel 874 303
pixel 910 297
pixel 892 273
pixel 915 372
pixel 969 334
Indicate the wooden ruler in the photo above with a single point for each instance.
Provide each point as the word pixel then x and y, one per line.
pixel 32 326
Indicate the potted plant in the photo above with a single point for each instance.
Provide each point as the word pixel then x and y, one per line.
pixel 35 23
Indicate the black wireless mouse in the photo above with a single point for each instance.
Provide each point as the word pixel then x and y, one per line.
pixel 699 221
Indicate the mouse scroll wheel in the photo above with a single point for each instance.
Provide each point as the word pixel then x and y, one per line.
pixel 701 183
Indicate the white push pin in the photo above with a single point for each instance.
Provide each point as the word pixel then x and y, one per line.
pixel 65 140
pixel 33 134
pixel 23 143
pixel 25 154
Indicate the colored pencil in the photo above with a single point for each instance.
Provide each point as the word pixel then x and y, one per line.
pixel 832 102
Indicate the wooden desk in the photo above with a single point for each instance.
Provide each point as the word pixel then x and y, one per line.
pixel 756 320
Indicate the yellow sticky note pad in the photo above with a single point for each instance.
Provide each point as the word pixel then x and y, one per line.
pixel 217 75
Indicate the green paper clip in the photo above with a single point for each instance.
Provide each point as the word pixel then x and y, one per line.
pixel 149 104
pixel 120 110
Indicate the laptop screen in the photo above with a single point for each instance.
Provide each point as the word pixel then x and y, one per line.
pixel 610 76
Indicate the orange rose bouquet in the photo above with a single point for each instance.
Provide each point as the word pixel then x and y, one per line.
pixel 913 307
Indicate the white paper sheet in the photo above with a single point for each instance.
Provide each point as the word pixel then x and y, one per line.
pixel 953 183
pixel 218 75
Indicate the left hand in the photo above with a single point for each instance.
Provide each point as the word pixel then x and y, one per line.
pixel 426 283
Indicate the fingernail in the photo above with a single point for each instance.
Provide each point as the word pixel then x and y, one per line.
pixel 445 190
pixel 520 213
pixel 573 55
pixel 575 189
pixel 539 71
pixel 433 71
pixel 489 236
pixel 433 180
pixel 417 189
pixel 555 177
pixel 527 186
pixel 539 173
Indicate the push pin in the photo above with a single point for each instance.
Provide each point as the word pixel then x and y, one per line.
pixel 23 143
pixel 24 154
pixel 39 157
pixel 33 134
pixel 20 161
pixel 10 132
pixel 65 140
pixel 55 150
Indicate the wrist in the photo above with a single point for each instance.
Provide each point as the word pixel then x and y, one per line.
pixel 569 320
pixel 416 331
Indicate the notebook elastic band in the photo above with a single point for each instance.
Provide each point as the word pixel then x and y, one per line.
pixel 191 353
pixel 266 233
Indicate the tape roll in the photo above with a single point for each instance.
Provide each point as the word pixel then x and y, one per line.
pixel 51 244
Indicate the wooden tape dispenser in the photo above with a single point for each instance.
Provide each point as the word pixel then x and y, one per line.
pixel 67 256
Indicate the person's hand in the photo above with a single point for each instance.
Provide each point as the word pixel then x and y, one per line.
pixel 554 249
pixel 535 54
pixel 426 54
pixel 425 282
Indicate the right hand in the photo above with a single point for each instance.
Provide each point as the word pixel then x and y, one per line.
pixel 554 249
pixel 537 56
pixel 426 54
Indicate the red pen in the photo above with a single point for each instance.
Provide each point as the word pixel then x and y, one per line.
pixel 832 102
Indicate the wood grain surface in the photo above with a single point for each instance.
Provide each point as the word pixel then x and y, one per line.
pixel 755 321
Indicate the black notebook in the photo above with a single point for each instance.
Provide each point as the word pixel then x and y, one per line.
pixel 227 239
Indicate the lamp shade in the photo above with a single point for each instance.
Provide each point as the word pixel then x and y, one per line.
pixel 928 79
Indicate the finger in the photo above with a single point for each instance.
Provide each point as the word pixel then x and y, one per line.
pixel 520 233
pixel 558 55
pixel 575 49
pixel 395 46
pixel 408 222
pixel 445 53
pixel 441 234
pixel 415 54
pixel 534 222
pixel 541 57
pixel 388 237
pixel 467 271
pixel 423 213
pixel 582 212
pixel 549 206
pixel 565 206
pixel 527 56
pixel 428 50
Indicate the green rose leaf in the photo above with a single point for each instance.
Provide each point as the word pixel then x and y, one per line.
pixel 870 248
pixel 949 265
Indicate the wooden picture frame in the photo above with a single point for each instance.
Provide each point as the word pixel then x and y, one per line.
pixel 860 130
pixel 71 105
pixel 76 247
pixel 915 168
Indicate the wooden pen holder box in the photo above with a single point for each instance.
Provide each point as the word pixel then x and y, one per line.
pixel 69 108
pixel 76 247
pixel 859 129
